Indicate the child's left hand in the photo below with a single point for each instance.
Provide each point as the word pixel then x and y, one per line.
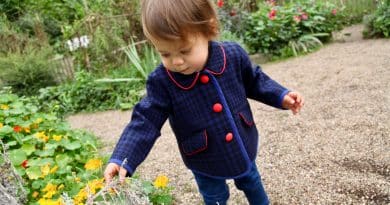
pixel 293 101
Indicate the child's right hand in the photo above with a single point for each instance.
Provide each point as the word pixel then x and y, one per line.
pixel 112 170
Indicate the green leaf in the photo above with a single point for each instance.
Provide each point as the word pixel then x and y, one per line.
pixel 40 162
pixel 51 146
pixel 17 156
pixel 28 149
pixel 37 184
pixel 6 130
pixel 45 153
pixel 6 98
pixel 73 145
pixel 33 172
pixel 20 171
pixel 62 160
pixel 11 143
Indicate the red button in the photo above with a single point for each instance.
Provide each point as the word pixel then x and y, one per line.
pixel 229 137
pixel 204 79
pixel 217 107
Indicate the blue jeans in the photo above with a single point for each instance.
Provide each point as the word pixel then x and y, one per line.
pixel 216 191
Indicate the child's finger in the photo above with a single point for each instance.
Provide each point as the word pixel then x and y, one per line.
pixel 107 178
pixel 122 174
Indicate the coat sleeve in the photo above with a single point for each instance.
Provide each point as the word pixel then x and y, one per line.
pixel 140 134
pixel 258 85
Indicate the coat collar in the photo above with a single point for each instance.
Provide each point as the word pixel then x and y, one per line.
pixel 216 65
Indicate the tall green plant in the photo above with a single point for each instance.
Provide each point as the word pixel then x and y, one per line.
pixel 143 64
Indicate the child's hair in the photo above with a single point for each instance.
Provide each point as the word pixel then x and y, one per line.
pixel 176 19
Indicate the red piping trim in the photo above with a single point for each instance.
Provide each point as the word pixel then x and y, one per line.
pixel 197 74
pixel 198 150
pixel 247 122
pixel 179 85
pixel 224 63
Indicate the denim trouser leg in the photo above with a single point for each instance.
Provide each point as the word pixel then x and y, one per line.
pixel 214 191
pixel 252 187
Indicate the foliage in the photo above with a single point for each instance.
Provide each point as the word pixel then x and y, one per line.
pixel 28 71
pixel 109 26
pixel 378 23
pixel 143 64
pixel 87 94
pixel 271 29
pixel 45 152
pixel 58 164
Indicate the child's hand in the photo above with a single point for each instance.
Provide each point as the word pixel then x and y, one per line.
pixel 112 170
pixel 293 101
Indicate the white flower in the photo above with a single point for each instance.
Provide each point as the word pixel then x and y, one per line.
pixel 84 41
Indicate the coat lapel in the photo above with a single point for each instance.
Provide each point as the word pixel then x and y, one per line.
pixel 216 65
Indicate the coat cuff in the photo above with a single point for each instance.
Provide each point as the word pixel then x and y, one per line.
pixel 284 93
pixel 130 171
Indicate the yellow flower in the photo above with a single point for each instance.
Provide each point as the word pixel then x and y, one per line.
pixel 54 169
pixel 50 202
pixel 42 136
pixel 92 188
pixel 39 120
pixel 161 181
pixel 1 125
pixel 93 164
pixel 50 189
pixel 80 197
pixel 95 185
pixel 77 179
pixel 4 107
pixel 35 194
pixel 57 137
pixel 61 187
pixel 27 130
pixel 45 170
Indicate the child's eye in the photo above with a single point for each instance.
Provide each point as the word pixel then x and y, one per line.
pixel 165 55
pixel 184 52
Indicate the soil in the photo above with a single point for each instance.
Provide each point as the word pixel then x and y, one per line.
pixel 336 151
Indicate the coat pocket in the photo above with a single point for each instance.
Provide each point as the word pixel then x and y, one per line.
pixel 195 144
pixel 247 118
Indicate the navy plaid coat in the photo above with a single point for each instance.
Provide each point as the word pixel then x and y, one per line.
pixel 208 111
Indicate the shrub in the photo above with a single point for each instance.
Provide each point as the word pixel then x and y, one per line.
pixel 378 23
pixel 87 94
pixel 271 29
pixel 28 71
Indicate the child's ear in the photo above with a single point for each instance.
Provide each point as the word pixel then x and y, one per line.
pixel 214 25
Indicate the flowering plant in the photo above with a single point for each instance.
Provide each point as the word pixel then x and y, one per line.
pixel 53 159
pixel 274 29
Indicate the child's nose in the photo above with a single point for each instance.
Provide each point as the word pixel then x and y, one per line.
pixel 177 61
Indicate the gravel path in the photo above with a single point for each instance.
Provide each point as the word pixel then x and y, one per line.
pixel 337 151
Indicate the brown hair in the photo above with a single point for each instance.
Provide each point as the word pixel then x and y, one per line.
pixel 176 19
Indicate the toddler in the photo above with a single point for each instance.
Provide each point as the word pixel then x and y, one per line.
pixel 202 87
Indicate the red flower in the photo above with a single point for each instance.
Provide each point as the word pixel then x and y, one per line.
pixel 24 164
pixel 304 16
pixel 17 128
pixel 220 3
pixel 297 19
pixel 233 12
pixel 272 14
pixel 334 11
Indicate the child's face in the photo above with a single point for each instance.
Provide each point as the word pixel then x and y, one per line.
pixel 184 57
